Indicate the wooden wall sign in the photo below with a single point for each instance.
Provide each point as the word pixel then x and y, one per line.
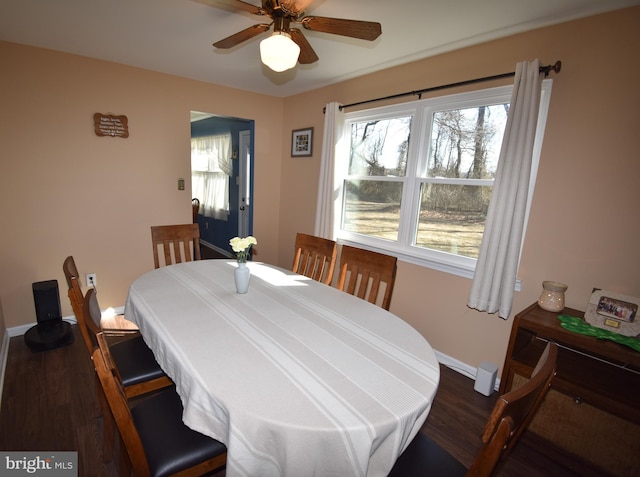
pixel 109 125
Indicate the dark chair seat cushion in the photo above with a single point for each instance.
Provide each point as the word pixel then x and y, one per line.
pixel 169 445
pixel 424 457
pixel 135 361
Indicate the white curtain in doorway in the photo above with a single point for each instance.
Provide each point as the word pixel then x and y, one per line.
pixel 211 168
pixel 495 276
pixel 327 190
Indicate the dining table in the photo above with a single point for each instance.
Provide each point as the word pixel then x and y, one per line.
pixel 295 377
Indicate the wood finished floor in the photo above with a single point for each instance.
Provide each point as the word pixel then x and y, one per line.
pixel 48 403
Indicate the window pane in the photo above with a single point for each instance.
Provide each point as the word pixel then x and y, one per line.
pixel 372 208
pixel 452 218
pixel 379 147
pixel 465 143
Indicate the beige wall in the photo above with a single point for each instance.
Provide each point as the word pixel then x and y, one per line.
pixel 66 191
pixel 583 228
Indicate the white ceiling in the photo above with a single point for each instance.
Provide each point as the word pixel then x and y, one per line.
pixel 176 36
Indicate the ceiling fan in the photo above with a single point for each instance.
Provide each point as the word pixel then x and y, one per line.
pixel 289 44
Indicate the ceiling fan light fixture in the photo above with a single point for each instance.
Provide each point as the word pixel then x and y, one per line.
pixel 279 52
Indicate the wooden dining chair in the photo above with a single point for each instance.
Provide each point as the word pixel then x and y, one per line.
pixel 77 304
pixel 138 369
pixel 76 298
pixel 510 417
pixel 195 207
pixel 367 274
pixel 179 243
pixel 156 440
pixel 315 257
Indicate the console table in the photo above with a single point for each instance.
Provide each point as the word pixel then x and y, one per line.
pixel 597 389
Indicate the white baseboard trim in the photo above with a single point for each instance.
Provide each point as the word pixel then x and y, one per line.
pixel 22 329
pixel 226 253
pixel 460 367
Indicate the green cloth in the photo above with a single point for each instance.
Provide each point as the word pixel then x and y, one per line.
pixel 578 325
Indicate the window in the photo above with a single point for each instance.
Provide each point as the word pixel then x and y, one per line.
pixel 416 178
pixel 210 170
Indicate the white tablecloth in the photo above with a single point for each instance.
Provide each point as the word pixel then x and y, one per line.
pixel 297 378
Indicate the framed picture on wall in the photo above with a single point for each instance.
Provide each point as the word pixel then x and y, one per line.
pixel 302 142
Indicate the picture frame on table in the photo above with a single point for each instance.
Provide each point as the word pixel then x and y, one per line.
pixel 614 312
pixel 302 142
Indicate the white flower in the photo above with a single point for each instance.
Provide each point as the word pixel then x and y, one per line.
pixel 242 245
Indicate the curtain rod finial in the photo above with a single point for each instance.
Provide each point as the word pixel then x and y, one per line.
pixel 556 67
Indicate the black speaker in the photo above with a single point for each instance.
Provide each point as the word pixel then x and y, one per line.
pixel 47 300
pixel 50 332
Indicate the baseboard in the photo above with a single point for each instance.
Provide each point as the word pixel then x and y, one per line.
pixel 460 367
pixel 22 329
pixel 219 250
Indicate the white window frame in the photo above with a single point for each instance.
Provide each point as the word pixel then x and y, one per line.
pixel 422 111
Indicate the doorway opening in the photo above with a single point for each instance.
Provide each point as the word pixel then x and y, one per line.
pixel 232 215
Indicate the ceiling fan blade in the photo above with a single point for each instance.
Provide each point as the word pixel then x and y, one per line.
pixel 295 7
pixel 246 34
pixel 247 7
pixel 352 28
pixel 307 55
pixel 230 6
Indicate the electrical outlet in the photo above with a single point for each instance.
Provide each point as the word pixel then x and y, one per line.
pixel 91 280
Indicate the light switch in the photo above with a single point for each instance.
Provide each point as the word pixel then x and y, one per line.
pixel 180 184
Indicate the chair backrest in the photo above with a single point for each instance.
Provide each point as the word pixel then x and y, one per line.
pixel 85 307
pixel 88 317
pixel 512 414
pixel 179 243
pixel 70 270
pixel 195 206
pixel 365 274
pixel 117 400
pixel 75 291
pixel 75 296
pixel 315 257
pixel 91 311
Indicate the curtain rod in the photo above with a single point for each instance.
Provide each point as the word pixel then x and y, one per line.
pixel 543 69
